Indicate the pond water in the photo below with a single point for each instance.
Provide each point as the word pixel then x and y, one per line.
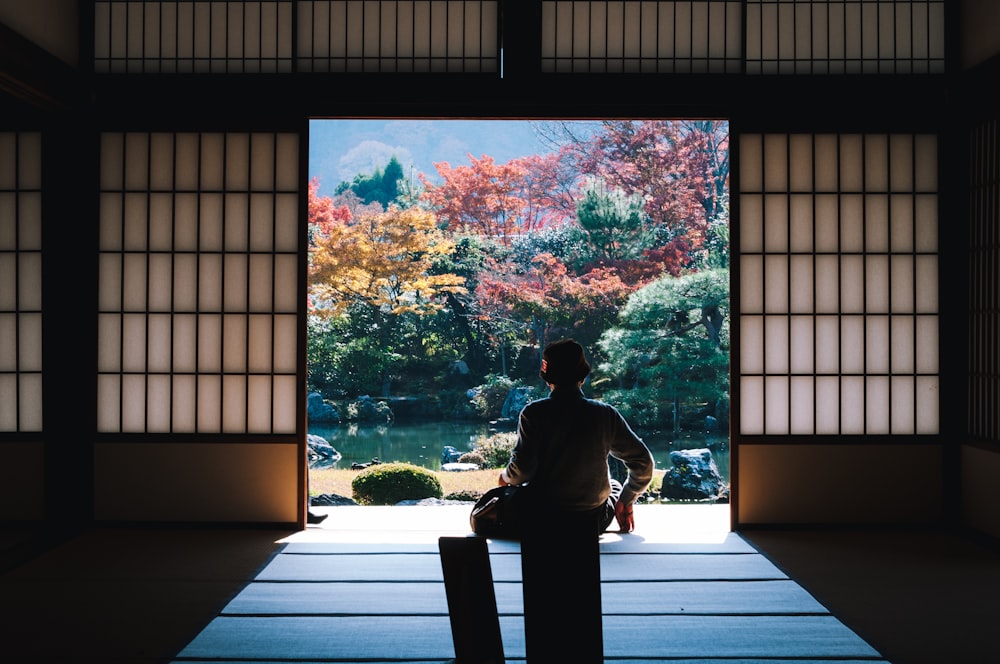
pixel 421 443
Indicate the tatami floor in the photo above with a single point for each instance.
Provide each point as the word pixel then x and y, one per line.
pixel 367 586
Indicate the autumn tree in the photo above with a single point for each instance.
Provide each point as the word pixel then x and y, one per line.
pixel 679 167
pixel 382 259
pixel 324 213
pixel 547 301
pixel 383 262
pixel 500 201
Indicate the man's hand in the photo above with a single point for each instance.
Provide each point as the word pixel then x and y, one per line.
pixel 501 481
pixel 624 516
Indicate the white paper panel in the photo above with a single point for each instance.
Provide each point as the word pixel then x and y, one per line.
pixel 800 208
pixel 285 404
pixel 751 344
pixel 209 401
pixel 160 341
pixel 828 397
pixel 260 404
pixel 902 348
pixel 776 345
pixel 286 344
pixel 29 281
pixel 827 344
pixel 134 283
pixel 209 344
pixel 852 405
pixel 30 402
pixel 876 222
pixel 234 407
pixel 776 223
pixel 209 282
pixel 751 223
pixel 236 277
pixel 802 285
pixel 8 402
pixel 109 409
pixel 852 344
pixel 262 344
pixel 927 405
pixel 877 405
pixel 237 222
pixel 902 415
pixel 803 406
pixel 801 342
pixel 776 405
pixel 775 284
pixel 184 400
pixel 29 342
pixel 185 343
pixel 234 348
pixel 751 406
pixel 8 347
pixel 134 343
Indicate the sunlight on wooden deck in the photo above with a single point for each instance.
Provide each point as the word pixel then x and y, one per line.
pixel 411 524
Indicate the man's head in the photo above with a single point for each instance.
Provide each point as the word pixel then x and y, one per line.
pixel 564 363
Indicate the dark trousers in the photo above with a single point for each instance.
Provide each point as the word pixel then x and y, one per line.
pixel 561 583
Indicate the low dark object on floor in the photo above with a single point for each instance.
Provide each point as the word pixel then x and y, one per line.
pixel 472 604
pixel 314 518
pixel 497 513
pixel 561 577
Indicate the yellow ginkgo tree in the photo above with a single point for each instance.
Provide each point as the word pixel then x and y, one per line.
pixel 382 259
pixel 374 271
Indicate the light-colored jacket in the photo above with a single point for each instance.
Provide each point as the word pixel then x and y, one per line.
pixel 563 443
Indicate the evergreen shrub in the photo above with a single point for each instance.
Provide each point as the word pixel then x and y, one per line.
pixel 496 448
pixel 390 483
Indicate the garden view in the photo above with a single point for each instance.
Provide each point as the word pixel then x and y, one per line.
pixel 431 293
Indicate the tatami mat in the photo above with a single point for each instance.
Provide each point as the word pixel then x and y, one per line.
pixel 367 586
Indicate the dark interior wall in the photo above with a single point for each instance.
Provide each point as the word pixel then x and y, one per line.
pixel 761 104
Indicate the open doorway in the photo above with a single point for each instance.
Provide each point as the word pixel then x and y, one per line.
pixel 444 254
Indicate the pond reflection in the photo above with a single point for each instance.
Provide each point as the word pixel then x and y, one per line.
pixel 422 443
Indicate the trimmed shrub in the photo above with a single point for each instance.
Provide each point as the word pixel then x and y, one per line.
pixel 496 448
pixel 390 483
pixel 473 457
pixel 465 495
pixel 491 395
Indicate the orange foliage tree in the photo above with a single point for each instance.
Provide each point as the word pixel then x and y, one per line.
pixel 383 259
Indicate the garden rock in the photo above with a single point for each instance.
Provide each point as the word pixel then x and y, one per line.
pixel 450 455
pixel 693 477
pixel 321 452
pixel 516 400
pixel 459 467
pixel 319 411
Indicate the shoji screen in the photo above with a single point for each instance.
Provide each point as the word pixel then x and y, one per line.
pixel 133 36
pixel 845 36
pixel 399 36
pixel 755 36
pixel 21 462
pixel 281 36
pixel 703 36
pixel 980 458
pixel 984 284
pixel 198 305
pixel 838 310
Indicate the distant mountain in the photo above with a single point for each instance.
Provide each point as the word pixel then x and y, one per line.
pixel 341 149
